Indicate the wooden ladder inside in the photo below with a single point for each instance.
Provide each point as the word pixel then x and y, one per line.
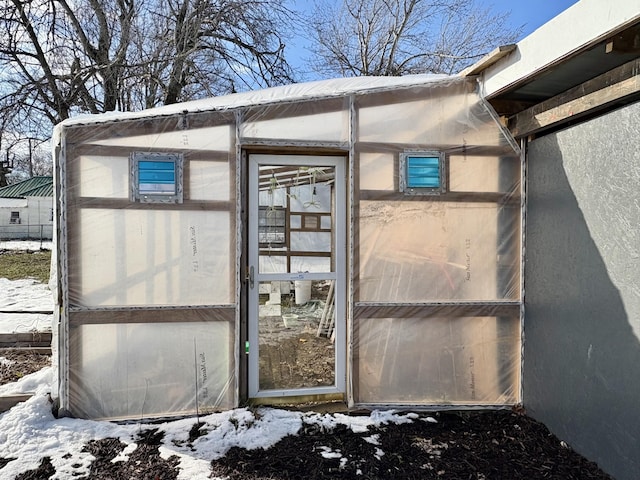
pixel 328 318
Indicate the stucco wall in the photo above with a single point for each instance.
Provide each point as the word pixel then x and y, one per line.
pixel 582 327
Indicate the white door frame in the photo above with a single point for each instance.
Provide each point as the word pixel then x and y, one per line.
pixel 339 273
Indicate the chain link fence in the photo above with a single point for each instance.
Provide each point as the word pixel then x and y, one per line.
pixel 37 231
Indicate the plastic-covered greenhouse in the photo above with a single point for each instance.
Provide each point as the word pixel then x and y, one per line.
pixel 355 240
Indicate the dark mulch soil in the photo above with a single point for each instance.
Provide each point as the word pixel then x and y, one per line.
pixel 19 364
pixel 144 463
pixel 482 445
pixel 492 445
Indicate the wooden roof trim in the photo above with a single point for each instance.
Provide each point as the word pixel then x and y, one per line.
pixel 488 60
pixel 597 93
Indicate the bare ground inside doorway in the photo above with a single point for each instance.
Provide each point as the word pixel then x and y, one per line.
pixel 301 360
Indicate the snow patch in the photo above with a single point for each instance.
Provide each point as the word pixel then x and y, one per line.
pixel 29 383
pixel 123 456
pixel 26 245
pixel 6 361
pixel 327 452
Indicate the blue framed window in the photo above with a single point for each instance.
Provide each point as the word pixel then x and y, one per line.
pixel 156 177
pixel 422 173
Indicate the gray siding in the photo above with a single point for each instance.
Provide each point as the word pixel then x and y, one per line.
pixel 582 281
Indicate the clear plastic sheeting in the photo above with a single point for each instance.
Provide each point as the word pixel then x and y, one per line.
pixel 154 316
pixel 431 268
pixel 441 361
pixel 151 257
pixel 326 126
pixel 136 371
pixel 435 251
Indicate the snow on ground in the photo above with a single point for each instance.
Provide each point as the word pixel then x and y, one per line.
pixel 21 323
pixel 27 384
pixel 29 431
pixel 24 296
pixel 30 245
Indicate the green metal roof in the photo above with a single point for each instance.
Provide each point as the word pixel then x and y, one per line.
pixel 34 187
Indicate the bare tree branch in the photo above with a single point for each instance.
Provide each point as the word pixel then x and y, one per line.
pixel 59 58
pixel 396 37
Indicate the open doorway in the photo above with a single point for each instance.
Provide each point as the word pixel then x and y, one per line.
pixel 297 276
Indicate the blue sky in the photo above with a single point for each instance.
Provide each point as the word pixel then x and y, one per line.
pixel 531 13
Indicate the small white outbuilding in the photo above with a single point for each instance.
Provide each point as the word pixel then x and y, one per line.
pixel 26 209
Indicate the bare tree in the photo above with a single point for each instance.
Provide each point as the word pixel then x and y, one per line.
pixel 189 49
pixel 60 58
pixel 397 37
pixel 28 160
pixel 22 157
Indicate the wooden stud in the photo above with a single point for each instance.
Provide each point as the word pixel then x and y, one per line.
pixel 587 97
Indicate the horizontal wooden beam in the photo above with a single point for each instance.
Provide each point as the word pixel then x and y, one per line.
pixel 9 401
pixel 466 197
pixel 436 310
pixel 594 94
pixel 266 252
pixel 27 339
pixel 30 312
pixel 26 350
pixel 125 203
pixel 451 149
pixel 488 60
pixel 159 315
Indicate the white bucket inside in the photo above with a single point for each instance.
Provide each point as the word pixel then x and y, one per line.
pixel 302 291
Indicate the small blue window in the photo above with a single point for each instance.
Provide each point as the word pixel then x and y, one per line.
pixel 422 173
pixel 156 177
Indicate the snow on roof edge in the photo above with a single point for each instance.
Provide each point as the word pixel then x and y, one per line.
pixel 280 94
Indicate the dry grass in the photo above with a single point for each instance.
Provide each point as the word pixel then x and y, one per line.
pixel 17 265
